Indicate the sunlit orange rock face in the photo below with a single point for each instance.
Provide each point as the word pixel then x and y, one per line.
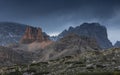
pixel 39 36
pixel 33 34
pixel 34 38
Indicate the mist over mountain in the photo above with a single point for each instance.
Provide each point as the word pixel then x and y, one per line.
pixel 85 48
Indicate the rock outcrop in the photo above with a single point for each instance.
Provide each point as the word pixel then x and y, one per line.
pixel 33 34
pixel 94 30
pixel 11 33
pixel 117 44
pixel 34 39
pixel 39 36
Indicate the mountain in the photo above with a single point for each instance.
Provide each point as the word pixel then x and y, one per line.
pixel 34 34
pixel 117 44
pixel 77 50
pixel 33 39
pixel 71 44
pixel 93 30
pixel 11 32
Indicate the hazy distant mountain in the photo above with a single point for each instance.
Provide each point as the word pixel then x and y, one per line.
pixel 11 32
pixel 94 30
pixel 117 44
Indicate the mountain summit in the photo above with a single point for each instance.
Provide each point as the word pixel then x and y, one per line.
pixel 93 30
pixel 117 44
pixel 33 34
pixel 34 39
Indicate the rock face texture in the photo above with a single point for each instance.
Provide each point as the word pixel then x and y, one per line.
pixel 117 44
pixel 93 30
pixel 71 44
pixel 29 35
pixel 33 34
pixel 34 39
pixel 40 36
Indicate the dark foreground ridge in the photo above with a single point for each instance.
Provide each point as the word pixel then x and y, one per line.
pixel 87 63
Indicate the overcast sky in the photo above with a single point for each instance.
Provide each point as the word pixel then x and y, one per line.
pixel 53 16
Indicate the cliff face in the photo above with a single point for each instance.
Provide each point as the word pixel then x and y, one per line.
pixel 39 36
pixel 94 30
pixel 29 35
pixel 34 39
pixel 33 34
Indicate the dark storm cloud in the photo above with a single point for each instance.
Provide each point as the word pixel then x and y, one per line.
pixel 56 15
pixel 99 8
pixel 43 7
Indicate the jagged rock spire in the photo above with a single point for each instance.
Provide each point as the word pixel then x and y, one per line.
pixel 32 34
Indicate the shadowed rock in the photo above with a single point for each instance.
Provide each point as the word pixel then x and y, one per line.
pixel 94 30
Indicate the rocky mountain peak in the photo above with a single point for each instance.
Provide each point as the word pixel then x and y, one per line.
pixel 70 28
pixel 39 37
pixel 94 30
pixel 91 25
pixel 33 34
pixel 81 41
pixel 117 44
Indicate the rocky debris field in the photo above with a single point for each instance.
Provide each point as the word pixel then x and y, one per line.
pixel 104 62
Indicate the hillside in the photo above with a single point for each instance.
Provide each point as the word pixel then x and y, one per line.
pixel 69 45
pixel 9 57
pixel 87 63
